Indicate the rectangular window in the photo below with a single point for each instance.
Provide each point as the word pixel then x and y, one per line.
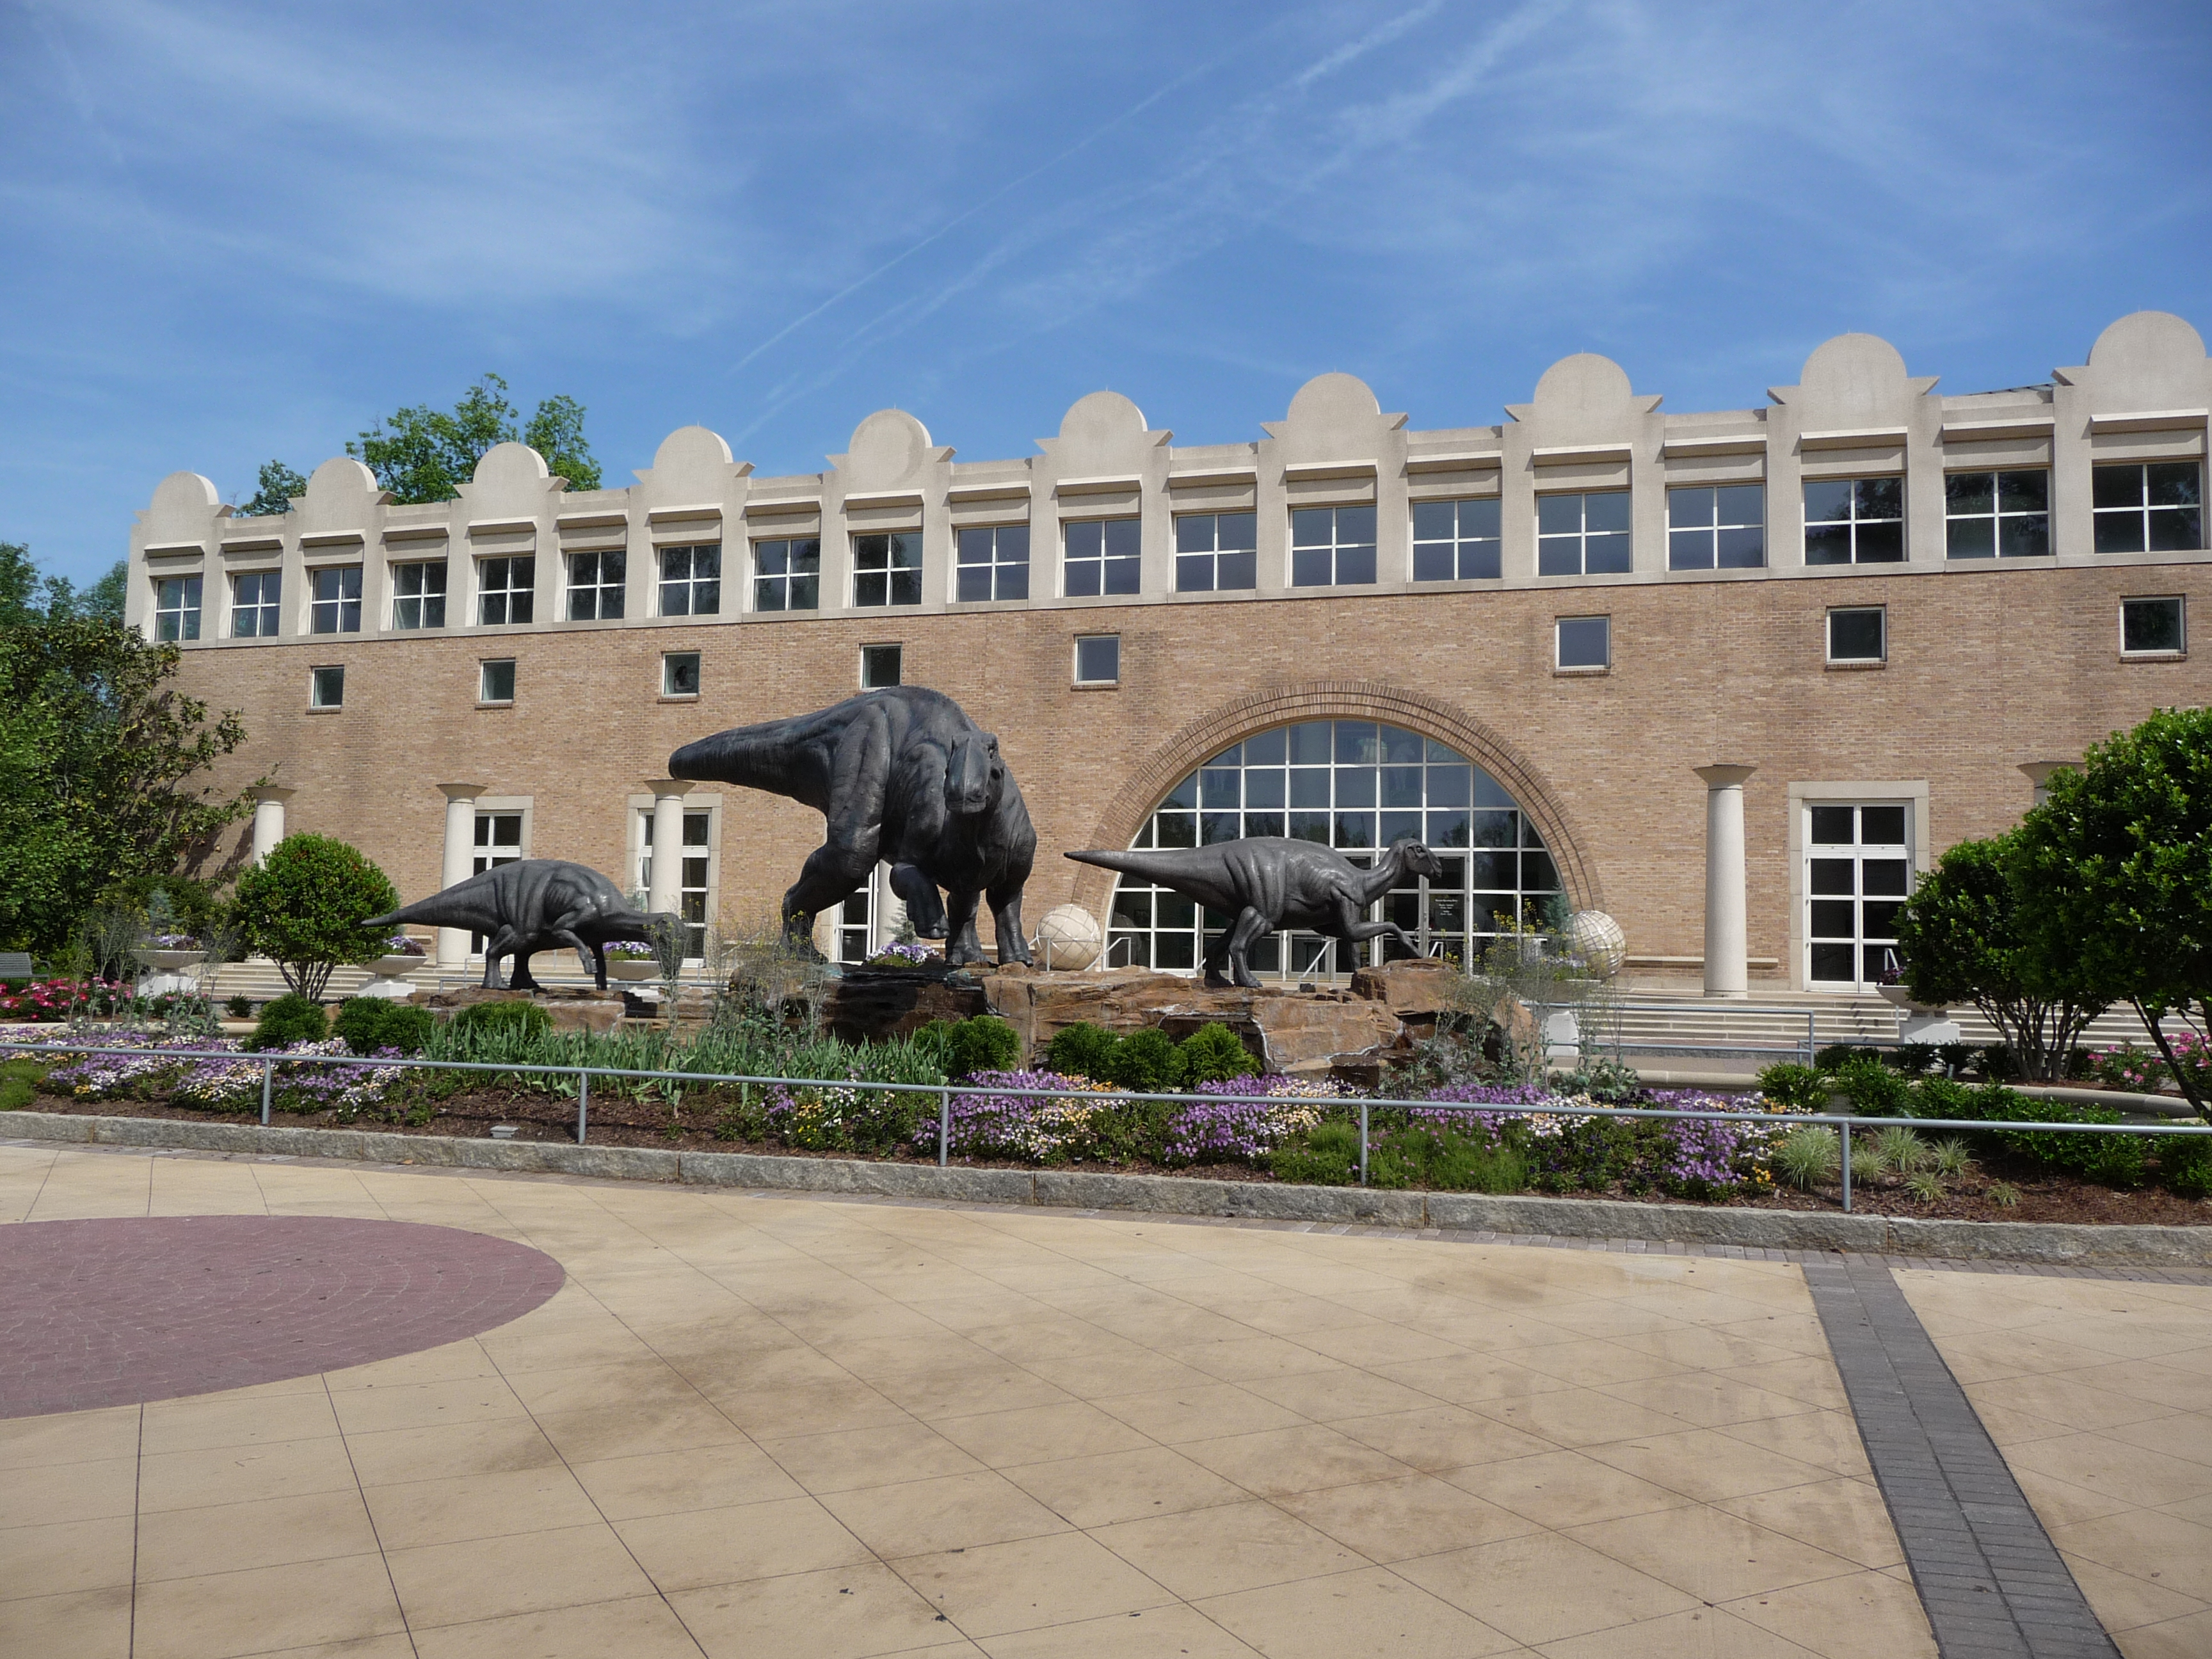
pixel 596 584
pixel 887 569
pixel 1858 873
pixel 1102 557
pixel 1332 546
pixel 2153 506
pixel 1583 535
pixel 335 605
pixel 495 681
pixel 418 595
pixel 994 563
pixel 787 574
pixel 1099 660
pixel 692 580
pixel 679 674
pixel 254 603
pixel 326 688
pixel 1585 642
pixel 879 666
pixel 177 608
pixel 498 841
pixel 1855 521
pixel 691 877
pixel 1858 634
pixel 1991 514
pixel 1456 541
pixel 1215 552
pixel 506 591
pixel 2153 628
pixel 1722 527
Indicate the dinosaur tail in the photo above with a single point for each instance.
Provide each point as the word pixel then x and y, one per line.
pixel 753 756
pixel 426 911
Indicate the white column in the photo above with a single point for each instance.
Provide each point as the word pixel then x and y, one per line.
pixel 1728 972
pixel 665 892
pixel 268 820
pixel 460 857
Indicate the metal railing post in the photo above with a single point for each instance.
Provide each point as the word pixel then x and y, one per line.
pixel 268 1077
pixel 1363 1143
pixel 1811 1048
pixel 944 1127
pixel 583 1103
pixel 1847 1166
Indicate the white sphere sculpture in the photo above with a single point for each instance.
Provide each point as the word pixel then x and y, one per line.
pixel 1596 938
pixel 1068 937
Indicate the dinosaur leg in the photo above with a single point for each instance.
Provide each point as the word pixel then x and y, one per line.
pixel 1006 917
pixel 962 946
pixel 1353 930
pixel 832 871
pixel 1250 926
pixel 499 946
pixel 923 909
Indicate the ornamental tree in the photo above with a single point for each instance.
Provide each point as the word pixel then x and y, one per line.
pixel 425 454
pixel 2114 874
pixel 303 907
pixel 1961 938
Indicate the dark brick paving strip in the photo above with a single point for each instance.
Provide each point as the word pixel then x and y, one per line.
pixel 116 1312
pixel 1990 1579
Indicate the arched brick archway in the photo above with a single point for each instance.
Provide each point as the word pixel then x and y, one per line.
pixel 1432 717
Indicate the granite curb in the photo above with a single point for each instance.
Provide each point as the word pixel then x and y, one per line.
pixel 2046 1243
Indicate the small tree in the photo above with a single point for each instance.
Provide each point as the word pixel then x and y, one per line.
pixel 1962 938
pixel 2115 874
pixel 304 906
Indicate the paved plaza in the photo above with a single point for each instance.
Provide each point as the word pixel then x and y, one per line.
pixel 767 1426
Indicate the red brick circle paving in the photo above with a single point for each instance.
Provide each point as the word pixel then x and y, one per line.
pixel 116 1312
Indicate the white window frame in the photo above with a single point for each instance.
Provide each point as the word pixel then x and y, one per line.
pixel 638 863
pixel 1711 532
pixel 603 589
pixel 1997 516
pixel 997 553
pixel 1336 550
pixel 518 605
pixel 1910 793
pixel 316 682
pixel 691 585
pixel 898 661
pixel 1828 640
pixel 1458 545
pixel 1903 521
pixel 1104 566
pixel 669 660
pixel 484 665
pixel 266 608
pixel 2166 653
pixel 892 572
pixel 422 599
pixel 341 610
pixel 1579 538
pixel 1213 552
pixel 180 622
pixel 1560 664
pixel 783 582
pixel 2142 512
pixel 1082 640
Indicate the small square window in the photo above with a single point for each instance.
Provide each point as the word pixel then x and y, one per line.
pixel 1585 642
pixel 879 666
pixel 2153 628
pixel 1099 660
pixel 679 674
pixel 1859 635
pixel 326 688
pixel 495 681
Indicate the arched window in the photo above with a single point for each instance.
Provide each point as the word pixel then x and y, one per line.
pixel 1356 786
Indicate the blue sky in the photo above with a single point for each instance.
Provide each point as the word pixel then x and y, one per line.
pixel 229 232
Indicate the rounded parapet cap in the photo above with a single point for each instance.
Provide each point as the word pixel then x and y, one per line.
pixel 510 464
pixel 185 492
pixel 692 446
pixel 339 477
pixel 889 447
pixel 1852 358
pixel 1586 380
pixel 1334 396
pixel 1101 415
pixel 2146 341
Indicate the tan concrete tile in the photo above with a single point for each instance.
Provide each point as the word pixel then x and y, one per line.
pixel 2171 1387
pixel 1859 1615
pixel 1415 1514
pixel 2122 1599
pixel 1562 1489
pixel 591 1437
pixel 366 1647
pixel 625 1386
pixel 1249 1359
pixel 668 1483
pixel 1059 1579
pixel 2113 1469
pixel 1277 1462
pixel 66 1557
pixel 1367 1612
pixel 2060 1399
pixel 460 1507
pixel 1811 1381
pixel 1713 1555
pixel 82 1623
pixel 1439 1437
pixel 951 1512
pixel 868 1457
pixel 391 1457
pixel 1543 1588
pixel 811 1409
pixel 1576 1417
pixel 267 1607
pixel 936 1397
pixel 243 1474
pixel 1469 1379
pixel 2168 1551
pixel 641 1628
pixel 2189 1638
pixel 1825 1440
pixel 1705 1464
pixel 1593 1362
pixel 847 1613
pixel 1224 1550
pixel 1176 1630
pixel 454 1362
pixel 423 1404
pixel 1704 1398
pixel 1698 1348
pixel 1706 1633
pixel 1329 1396
pixel 54 1494
pixel 1845 1517
pixel 2186 1435
pixel 174 1425
pixel 1127 1485
pixel 522 1572
pixel 696 1549
pixel 270 1531
pixel 1096 1378
pixel 1038 1434
pixel 1206 1410
pixel 30 1443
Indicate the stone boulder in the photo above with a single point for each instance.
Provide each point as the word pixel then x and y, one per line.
pixel 869 1004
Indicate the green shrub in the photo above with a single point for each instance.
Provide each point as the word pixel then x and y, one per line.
pixel 1082 1050
pixel 239 1006
pixel 1936 1096
pixel 1146 1063
pixel 304 906
pixel 2110 1160
pixel 520 1018
pixel 1445 1158
pixel 1328 1155
pixel 368 1024
pixel 19 1081
pixel 1214 1054
pixel 2185 1163
pixel 1838 1054
pixel 291 1019
pixel 1872 1089
pixel 1799 1088
pixel 963 1048
pixel 1807 1156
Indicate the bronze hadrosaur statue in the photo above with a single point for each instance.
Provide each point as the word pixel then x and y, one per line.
pixel 535 904
pixel 901 774
pixel 1270 882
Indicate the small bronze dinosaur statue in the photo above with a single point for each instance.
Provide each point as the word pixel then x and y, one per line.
pixel 1271 882
pixel 535 904
pixel 901 774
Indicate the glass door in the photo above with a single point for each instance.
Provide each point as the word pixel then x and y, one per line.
pixel 1858 870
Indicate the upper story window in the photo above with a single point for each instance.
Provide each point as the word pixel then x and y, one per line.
pixel 1721 527
pixel 1217 551
pixel 2152 507
pixel 2153 628
pixel 995 563
pixel 1332 546
pixel 787 574
pixel 887 569
pixel 255 599
pixel 1858 634
pixel 326 687
pixel 1986 514
pixel 692 580
pixel 1455 541
pixel 335 605
pixel 506 591
pixel 418 594
pixel 596 584
pixel 1584 535
pixel 1855 521
pixel 1102 557
pixel 177 608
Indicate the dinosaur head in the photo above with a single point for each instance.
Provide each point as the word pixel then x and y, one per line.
pixel 975 775
pixel 1416 860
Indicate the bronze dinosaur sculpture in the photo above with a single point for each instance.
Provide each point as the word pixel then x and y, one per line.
pixel 530 905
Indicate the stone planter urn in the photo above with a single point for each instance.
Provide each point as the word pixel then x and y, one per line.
pixel 172 961
pixel 390 976
pixel 1919 1021
pixel 633 969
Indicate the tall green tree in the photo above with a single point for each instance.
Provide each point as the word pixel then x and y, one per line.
pixel 25 596
pixel 273 491
pixel 425 454
pixel 103 772
pixel 2119 864
pixel 1962 938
